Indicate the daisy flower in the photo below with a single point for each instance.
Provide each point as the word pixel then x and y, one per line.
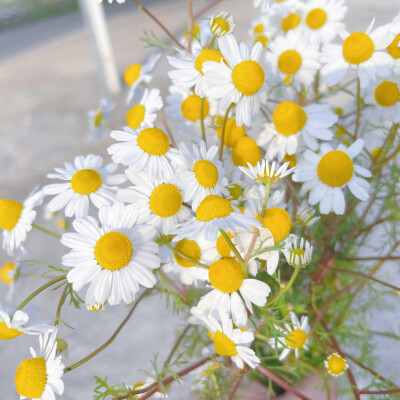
pixel 87 180
pixel 16 219
pixel 305 215
pixel 359 52
pixel 296 336
pixel 100 118
pixel 39 377
pixel 286 15
pixel 326 175
pixel 114 257
pixel 233 132
pixel 158 201
pixel 293 59
pixel 145 150
pixel 137 74
pixel 239 80
pixel 298 254
pixel 394 48
pixel 143 114
pixel 8 272
pixel 245 151
pixel 262 173
pixel 335 364
pixel 202 175
pixel 221 24
pixel 261 31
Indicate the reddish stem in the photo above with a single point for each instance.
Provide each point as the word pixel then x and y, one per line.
pixel 205 9
pixel 380 391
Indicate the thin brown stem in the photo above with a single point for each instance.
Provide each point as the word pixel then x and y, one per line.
pixel 358 109
pixel 221 148
pixel 190 26
pixel 372 258
pixel 176 345
pixel 205 9
pixel 236 387
pixel 390 391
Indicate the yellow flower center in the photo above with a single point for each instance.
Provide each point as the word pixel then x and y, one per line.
pixel 289 118
pixel 223 345
pixel 221 24
pixel 289 62
pixel 336 365
pixel 387 94
pixel 10 211
pixel 316 18
pixel 235 191
pixel 98 118
pixel 166 200
pixel 31 378
pixel 7 333
pixel 86 181
pixel 394 48
pixel 278 221
pixel 191 108
pixel 248 77
pixel 222 247
pixel 262 39
pixel 132 73
pixel 113 251
pixel 297 339
pixel 232 132
pixel 135 116
pixel 291 158
pixel 358 47
pixel 377 152
pixel 212 207
pixel 196 31
pixel 226 275
pixel 207 55
pixel 190 249
pixel 206 173
pixel 244 151
pixel 6 273
pixel 290 22
pixel 335 168
pixel 153 141
pixel 258 29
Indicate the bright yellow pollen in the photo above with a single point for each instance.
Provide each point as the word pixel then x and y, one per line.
pixel 221 24
pixel 288 80
pixel 207 55
pixel 258 29
pixel 226 275
pixel 31 378
pixel 135 116
pixel 248 77
pixel 394 48
pixel 223 345
pixel 7 333
pixel 261 39
pixel 297 339
pixel 86 181
pixel 289 62
pixel 113 251
pixel 232 132
pixel 291 158
pixel 316 18
pixel 196 31
pixel 358 47
pixel 289 118
pixel 212 207
pixel 10 211
pixel 387 94
pixel 278 221
pixel 153 141
pixel 188 248
pixel 222 247
pixel 132 73
pixel 244 151
pixel 235 191
pixel 191 108
pixel 98 118
pixel 335 364
pixel 206 173
pixel 335 168
pixel 290 22
pixel 5 273
pixel 166 200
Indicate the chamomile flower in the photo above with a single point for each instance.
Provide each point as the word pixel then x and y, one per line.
pixel 96 307
pixel 100 118
pixel 145 150
pixel 240 80
pixel 159 202
pixel 262 173
pixel 326 174
pixel 360 52
pixel 143 114
pixel 394 47
pixel 298 253
pixel 8 272
pixel 114 258
pixel 221 24
pixel 297 336
pixel 306 215
pixel 39 377
pixel 202 173
pixel 232 134
pixel 261 31
pixel 137 74
pixel 87 182
pixel 16 219
pixel 245 151
pixel 335 364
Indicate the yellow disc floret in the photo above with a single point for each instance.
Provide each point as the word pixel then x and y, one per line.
pixel 258 29
pixel 261 39
pixel 358 47
pixel 278 221
pixel 7 333
pixel 335 168
pixel 188 248
pixel 220 26
pixel 191 108
pixel 232 132
pixel 86 181
pixel 387 94
pixel 7 273
pixel 10 211
pixel 226 275
pixel 207 55
pixel 98 118
pixel 212 207
pixel 31 378
pixel 291 158
pixel 135 116
pixel 132 73
pixel 223 345
pixel 222 246
pixel 206 173
pixel 166 200
pixel 289 118
pixel 113 251
pixel 335 364
pixel 290 22
pixel 297 339
pixel 316 18
pixel 244 151
pixel 153 141
pixel 289 62
pixel 248 77
pixel 394 48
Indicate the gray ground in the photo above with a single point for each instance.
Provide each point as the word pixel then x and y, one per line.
pixel 48 81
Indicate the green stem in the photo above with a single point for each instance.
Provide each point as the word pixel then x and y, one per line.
pixel 235 251
pixel 39 228
pixel 221 148
pixel 358 108
pixel 186 257
pixel 60 304
pixel 203 131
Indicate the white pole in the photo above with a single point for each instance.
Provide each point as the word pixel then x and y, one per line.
pixel 95 22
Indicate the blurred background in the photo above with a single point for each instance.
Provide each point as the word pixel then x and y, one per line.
pixel 49 79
